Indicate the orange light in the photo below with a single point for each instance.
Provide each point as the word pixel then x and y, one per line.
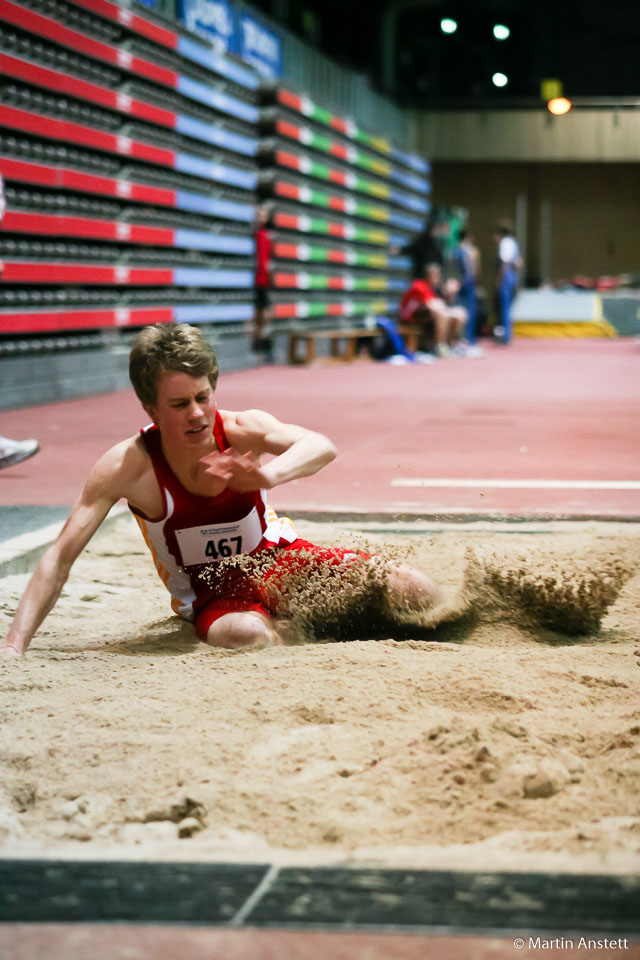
pixel 559 106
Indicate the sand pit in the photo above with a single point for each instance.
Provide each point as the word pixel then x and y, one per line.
pixel 493 741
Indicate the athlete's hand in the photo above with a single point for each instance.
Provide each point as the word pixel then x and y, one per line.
pixel 247 473
pixel 9 653
pixel 238 471
pixel 214 473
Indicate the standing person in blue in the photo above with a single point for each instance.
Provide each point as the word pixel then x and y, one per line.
pixel 508 263
pixel 466 261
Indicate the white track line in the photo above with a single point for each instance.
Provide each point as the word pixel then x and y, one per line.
pixel 518 484
pixel 263 887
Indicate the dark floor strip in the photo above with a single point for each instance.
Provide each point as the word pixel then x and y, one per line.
pixel 14 521
pixel 325 897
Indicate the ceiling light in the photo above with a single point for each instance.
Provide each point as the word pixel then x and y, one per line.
pixel 559 106
pixel 447 25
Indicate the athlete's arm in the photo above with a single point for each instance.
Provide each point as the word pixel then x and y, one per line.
pixel 298 452
pixel 103 488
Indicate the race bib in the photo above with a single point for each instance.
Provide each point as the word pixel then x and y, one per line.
pixel 217 541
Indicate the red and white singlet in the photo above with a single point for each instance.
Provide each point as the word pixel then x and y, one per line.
pixel 196 531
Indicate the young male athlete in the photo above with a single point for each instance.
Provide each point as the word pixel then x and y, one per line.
pixel 196 485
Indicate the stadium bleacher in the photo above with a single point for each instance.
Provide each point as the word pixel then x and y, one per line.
pixel 133 156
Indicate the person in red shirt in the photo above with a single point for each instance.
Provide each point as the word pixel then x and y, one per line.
pixel 261 341
pixel 423 304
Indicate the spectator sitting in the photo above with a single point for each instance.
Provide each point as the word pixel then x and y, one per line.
pixel 440 323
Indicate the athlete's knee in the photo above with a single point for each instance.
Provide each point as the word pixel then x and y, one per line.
pixel 408 587
pixel 242 629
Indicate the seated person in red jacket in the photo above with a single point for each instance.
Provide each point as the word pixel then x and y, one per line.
pixel 424 304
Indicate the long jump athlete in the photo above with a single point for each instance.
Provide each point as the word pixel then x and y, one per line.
pixel 195 484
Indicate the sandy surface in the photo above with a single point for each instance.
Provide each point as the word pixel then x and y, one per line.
pixel 494 741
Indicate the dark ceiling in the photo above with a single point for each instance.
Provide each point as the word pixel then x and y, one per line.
pixel 592 46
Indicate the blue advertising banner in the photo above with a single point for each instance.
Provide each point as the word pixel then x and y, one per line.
pixel 212 19
pixel 259 46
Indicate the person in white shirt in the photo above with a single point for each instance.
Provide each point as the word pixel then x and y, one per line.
pixel 509 262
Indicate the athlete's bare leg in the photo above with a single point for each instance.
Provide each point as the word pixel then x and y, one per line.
pixel 243 629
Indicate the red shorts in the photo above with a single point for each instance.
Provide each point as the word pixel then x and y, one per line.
pixel 245 594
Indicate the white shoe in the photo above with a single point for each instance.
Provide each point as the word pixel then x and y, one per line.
pixel 443 350
pixel 421 357
pixel 473 351
pixel 15 451
pixel 397 360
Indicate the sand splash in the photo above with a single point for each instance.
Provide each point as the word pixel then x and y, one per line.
pixel 322 600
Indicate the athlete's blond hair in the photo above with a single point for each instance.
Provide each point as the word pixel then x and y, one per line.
pixel 169 348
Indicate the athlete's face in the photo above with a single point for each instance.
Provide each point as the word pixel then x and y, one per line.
pixel 184 410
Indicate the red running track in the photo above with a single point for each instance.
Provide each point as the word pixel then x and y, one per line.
pixel 539 411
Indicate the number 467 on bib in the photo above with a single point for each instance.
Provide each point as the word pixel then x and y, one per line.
pixel 224 547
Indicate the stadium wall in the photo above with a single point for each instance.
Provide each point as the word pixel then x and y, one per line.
pixel 571 218
pixel 517 136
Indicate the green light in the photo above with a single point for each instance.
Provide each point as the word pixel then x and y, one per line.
pixel 500 79
pixel 447 25
pixel 501 32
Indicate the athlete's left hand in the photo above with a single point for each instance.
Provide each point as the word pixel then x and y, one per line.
pixel 247 473
pixel 237 471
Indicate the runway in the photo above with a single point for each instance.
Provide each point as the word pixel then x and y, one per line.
pixel 541 429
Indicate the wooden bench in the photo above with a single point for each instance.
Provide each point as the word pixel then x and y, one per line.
pixel 342 343
pixel 410 333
